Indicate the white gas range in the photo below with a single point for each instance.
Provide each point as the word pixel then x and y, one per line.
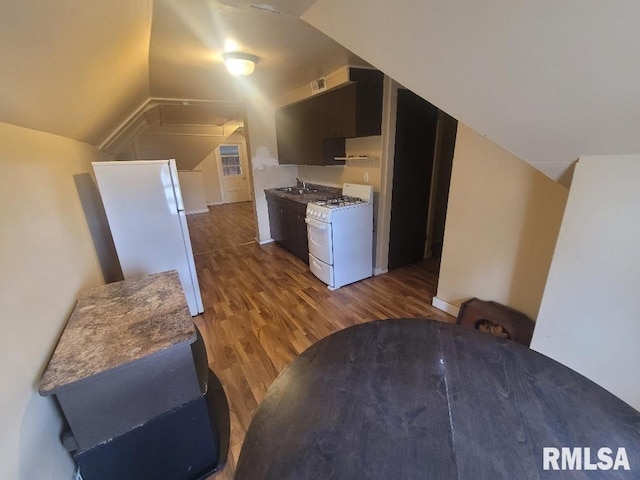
pixel 340 235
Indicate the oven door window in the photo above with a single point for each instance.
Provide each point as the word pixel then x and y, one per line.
pixel 319 236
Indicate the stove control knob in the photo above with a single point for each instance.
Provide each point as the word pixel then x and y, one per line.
pixel 324 216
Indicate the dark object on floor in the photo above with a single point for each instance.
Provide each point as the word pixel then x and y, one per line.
pixel 497 319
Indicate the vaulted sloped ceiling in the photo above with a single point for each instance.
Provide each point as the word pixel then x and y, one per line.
pixel 189 37
pixel 94 71
pixel 185 63
pixel 73 68
pixel 548 81
pixel 187 133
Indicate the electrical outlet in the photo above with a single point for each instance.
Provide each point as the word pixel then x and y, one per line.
pixel 366 176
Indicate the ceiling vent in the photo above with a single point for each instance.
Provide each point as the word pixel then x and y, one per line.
pixel 318 85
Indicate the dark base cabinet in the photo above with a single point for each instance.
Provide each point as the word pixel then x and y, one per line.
pixel 190 442
pixel 288 228
pixel 277 221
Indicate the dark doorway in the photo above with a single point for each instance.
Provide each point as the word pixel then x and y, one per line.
pixel 424 147
pixel 416 124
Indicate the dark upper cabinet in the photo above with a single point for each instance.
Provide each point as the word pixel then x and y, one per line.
pixel 338 112
pixel 313 131
pixel 332 148
pixel 368 101
pixel 294 133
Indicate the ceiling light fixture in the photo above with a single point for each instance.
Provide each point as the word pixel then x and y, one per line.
pixel 239 63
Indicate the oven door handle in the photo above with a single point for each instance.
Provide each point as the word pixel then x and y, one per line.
pixel 315 223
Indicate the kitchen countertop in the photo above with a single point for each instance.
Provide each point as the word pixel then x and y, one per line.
pixel 119 323
pixel 317 192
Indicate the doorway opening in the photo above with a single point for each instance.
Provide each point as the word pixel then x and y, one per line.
pixel 424 147
pixel 231 164
pixel 231 220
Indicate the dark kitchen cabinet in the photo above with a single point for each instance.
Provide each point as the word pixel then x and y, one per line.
pixel 313 131
pixel 288 228
pixel 297 136
pixel 276 221
pixel 299 242
pixel 367 119
pixel 354 110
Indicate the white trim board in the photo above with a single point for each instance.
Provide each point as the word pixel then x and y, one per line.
pixel 200 210
pixel 445 306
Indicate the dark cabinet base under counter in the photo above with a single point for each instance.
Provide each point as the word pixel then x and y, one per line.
pixel 286 220
pixel 190 442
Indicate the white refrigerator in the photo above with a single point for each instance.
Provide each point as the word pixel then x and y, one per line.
pixel 145 211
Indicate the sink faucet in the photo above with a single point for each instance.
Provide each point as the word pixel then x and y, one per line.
pixel 301 183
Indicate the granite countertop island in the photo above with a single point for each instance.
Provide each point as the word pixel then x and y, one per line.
pixel 124 358
pixel 119 323
pixel 130 375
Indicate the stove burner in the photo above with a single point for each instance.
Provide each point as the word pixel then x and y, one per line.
pixel 336 202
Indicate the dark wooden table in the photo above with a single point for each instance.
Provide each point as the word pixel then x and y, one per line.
pixel 419 399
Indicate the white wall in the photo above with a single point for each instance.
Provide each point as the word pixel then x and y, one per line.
pixel 193 193
pixel 547 81
pixel 266 172
pixel 354 171
pixel 590 314
pixel 211 179
pixel 502 223
pixel 47 258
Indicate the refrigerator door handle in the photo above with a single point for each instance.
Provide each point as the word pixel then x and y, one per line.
pixel 191 263
pixel 173 170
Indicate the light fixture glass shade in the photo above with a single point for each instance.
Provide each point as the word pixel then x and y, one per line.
pixel 239 63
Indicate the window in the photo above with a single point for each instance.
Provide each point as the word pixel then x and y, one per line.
pixel 230 159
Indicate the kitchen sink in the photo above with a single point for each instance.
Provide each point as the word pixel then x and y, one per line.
pixel 295 190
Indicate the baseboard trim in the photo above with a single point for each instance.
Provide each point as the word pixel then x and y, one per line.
pixel 445 306
pixel 264 242
pixel 214 203
pixel 379 271
pixel 201 210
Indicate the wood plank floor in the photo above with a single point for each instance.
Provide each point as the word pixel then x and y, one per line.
pixel 263 307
